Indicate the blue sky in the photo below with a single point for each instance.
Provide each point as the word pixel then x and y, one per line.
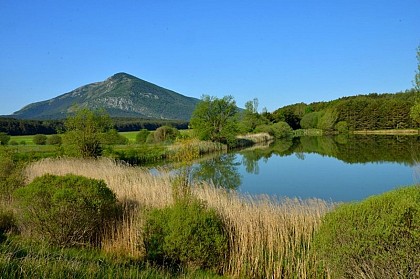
pixel 281 52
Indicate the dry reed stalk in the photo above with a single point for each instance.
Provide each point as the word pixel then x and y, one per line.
pixel 269 238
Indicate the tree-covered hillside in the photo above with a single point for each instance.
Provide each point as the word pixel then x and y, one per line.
pixel 362 112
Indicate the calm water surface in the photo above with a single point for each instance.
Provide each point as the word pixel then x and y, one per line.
pixel 323 177
pixel 330 168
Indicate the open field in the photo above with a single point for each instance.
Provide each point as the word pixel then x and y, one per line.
pixel 269 237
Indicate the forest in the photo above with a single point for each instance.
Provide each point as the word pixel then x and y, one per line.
pixel 362 112
pixel 20 127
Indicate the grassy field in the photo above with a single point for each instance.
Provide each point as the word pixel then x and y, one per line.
pixel 269 237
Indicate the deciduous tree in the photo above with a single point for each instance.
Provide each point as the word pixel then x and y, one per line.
pixel 216 119
pixel 84 129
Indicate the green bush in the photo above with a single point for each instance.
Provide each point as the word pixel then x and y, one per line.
pixel 54 140
pixel 112 137
pixel 13 142
pixel 66 210
pixel 142 135
pixel 376 238
pixel 281 130
pixel 40 139
pixel 165 134
pixel 342 127
pixel 187 234
pixel 11 176
pixel 4 138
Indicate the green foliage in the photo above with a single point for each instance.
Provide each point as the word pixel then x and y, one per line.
pixel 84 129
pixel 291 114
pixel 142 135
pixel 187 234
pixel 151 137
pixel 13 142
pixel 26 260
pixel 342 127
pixel 250 118
pixel 417 75
pixel 215 119
pixel 66 210
pixel 165 134
pixel 281 130
pixel 310 120
pixel 11 176
pixel 378 237
pixel 139 155
pixel 4 138
pixel 327 120
pixel 40 139
pixel 112 137
pixel 54 140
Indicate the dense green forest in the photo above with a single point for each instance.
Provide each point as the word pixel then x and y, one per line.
pixel 362 112
pixel 18 127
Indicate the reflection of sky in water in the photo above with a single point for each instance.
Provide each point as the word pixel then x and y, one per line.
pixel 325 177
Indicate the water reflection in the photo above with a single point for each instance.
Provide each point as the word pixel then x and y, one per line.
pixel 221 171
pixel 349 149
pixel 340 168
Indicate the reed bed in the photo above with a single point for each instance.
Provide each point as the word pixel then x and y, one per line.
pixel 257 138
pixel 269 237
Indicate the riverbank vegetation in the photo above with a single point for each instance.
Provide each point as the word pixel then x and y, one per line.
pixel 265 236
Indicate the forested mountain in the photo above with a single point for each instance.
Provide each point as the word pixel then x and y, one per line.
pixel 121 95
pixel 362 112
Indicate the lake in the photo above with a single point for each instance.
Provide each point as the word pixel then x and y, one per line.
pixel 336 168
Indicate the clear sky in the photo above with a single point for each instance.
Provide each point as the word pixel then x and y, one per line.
pixel 281 52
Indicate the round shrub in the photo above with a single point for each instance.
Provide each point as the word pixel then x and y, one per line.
pixel 187 234
pixel 40 139
pixel 142 135
pixel 54 140
pixel 281 130
pixel 375 238
pixel 66 210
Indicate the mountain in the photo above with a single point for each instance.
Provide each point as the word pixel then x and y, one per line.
pixel 121 95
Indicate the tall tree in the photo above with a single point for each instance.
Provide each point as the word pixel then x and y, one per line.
pixel 215 119
pixel 415 109
pixel 84 131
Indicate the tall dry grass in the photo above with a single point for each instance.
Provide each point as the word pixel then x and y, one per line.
pixel 269 238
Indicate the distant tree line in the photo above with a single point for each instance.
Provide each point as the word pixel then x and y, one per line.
pixel 362 112
pixel 19 127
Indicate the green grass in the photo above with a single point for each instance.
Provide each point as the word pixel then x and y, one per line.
pixel 130 135
pixel 23 259
pixel 27 139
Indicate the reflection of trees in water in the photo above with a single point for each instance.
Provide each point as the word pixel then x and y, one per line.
pixel 222 171
pixel 361 148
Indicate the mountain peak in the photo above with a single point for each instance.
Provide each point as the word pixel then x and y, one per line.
pixel 121 95
pixel 122 75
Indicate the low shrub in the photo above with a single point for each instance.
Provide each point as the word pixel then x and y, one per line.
pixel 40 139
pixel 376 238
pixel 11 176
pixel 112 137
pixel 54 140
pixel 187 234
pixel 142 135
pixel 66 210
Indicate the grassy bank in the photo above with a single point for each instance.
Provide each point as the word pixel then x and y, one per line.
pixel 390 132
pixel 269 238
